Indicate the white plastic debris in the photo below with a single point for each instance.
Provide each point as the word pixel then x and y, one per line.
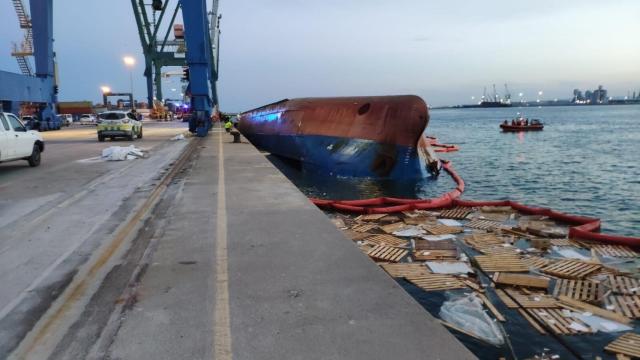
pixel 438 237
pixel 119 153
pixel 452 267
pixel 178 137
pixel 466 312
pixel 570 253
pixel 601 324
pixel 411 231
pixel 449 222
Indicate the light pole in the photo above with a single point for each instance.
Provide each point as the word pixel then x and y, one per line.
pixel 105 91
pixel 130 62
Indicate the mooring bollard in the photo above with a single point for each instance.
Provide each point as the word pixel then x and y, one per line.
pixel 236 135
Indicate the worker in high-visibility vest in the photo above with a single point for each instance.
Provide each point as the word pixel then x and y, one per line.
pixel 228 125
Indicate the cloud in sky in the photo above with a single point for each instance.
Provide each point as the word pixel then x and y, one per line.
pixel 444 51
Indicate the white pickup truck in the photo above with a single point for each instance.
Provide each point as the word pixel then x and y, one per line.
pixel 18 143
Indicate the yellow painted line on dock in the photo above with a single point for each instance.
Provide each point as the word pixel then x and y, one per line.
pixel 221 325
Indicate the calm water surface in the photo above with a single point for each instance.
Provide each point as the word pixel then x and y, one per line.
pixel 586 161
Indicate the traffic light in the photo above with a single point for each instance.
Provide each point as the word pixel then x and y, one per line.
pixel 156 5
pixel 185 73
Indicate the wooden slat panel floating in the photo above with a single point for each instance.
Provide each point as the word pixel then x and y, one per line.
pixel 623 285
pixel 522 280
pixel 526 301
pixel 394 227
pixel 364 227
pixel 501 263
pixel 562 242
pixel 356 236
pixel 370 217
pixel 559 323
pixel 627 344
pixel 406 269
pixel 571 269
pixel 583 290
pixel 483 224
pixel 387 253
pixel 437 282
pixel 615 251
pixel 387 240
pixel 443 229
pixel 481 241
pixel 456 213
pixel 425 255
pixel 499 250
pixel 627 305
pixel 536 262
pixel 435 245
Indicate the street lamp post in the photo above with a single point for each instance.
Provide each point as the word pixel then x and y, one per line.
pixel 130 62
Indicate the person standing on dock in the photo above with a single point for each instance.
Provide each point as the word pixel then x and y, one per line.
pixel 228 125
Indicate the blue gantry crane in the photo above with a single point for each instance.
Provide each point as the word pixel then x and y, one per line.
pixel 195 47
pixel 36 87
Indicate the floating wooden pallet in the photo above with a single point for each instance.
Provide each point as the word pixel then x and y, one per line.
pixel 583 290
pixel 562 242
pixel 525 280
pixel 627 344
pixel 499 217
pixel 435 245
pixel 425 255
pixel 501 263
pixel 364 227
pixel 499 250
pixel 406 269
pixel 387 253
pixel 394 227
pixel 627 305
pixel 527 301
pixel 615 251
pixel 455 213
pixel 531 321
pixel 571 269
pixel 558 322
pixel 442 229
pixel 384 239
pixel 623 285
pixel 370 217
pixel 481 241
pixel 437 282
pixel 536 262
pixel 483 224
pixel 421 220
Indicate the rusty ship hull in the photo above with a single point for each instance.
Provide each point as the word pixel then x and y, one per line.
pixel 371 137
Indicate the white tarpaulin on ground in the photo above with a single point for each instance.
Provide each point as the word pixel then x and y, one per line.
pixel 119 153
pixel 438 237
pixel 449 222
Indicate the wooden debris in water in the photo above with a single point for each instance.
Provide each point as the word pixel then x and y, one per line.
pixel 364 227
pixel 406 269
pixel 387 253
pixel 627 344
pixel 370 217
pixel 525 300
pixel 536 262
pixel 421 220
pixel 394 227
pixel 571 269
pixel 615 251
pixel 459 213
pixel 483 224
pixel 562 242
pixel 501 263
pixel 384 239
pixel 559 323
pixel 436 282
pixel 582 290
pixel 626 305
pixel 521 280
pixel 481 241
pixel 623 285
pixel 356 236
pixel 576 305
pixel 491 308
pixel 434 245
pixel 531 321
pixel 504 249
pixel 426 255
pixel 442 229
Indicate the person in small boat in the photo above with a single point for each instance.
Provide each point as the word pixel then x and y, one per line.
pixel 513 122
pixel 526 122
pixel 505 122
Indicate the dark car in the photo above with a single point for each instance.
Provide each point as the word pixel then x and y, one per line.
pixel 31 122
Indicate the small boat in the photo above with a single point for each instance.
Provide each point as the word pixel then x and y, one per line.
pixel 521 124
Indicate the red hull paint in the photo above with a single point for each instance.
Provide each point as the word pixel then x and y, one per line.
pixel 398 120
pixel 518 128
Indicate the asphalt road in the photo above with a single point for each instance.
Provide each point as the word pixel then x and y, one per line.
pixel 54 217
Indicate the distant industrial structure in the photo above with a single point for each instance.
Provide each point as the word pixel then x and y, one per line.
pixel 600 97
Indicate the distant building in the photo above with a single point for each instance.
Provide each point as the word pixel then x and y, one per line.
pixel 577 96
pixel 598 96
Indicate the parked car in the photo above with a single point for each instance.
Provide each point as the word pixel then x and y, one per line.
pixel 87 119
pixel 66 119
pixel 18 143
pixel 119 124
pixel 31 122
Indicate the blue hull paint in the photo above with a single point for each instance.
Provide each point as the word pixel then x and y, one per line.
pixel 346 157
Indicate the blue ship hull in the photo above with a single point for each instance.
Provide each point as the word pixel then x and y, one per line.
pixel 347 157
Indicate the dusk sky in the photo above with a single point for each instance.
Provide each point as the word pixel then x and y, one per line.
pixel 444 51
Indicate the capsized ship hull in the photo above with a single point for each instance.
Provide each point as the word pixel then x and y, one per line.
pixel 373 137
